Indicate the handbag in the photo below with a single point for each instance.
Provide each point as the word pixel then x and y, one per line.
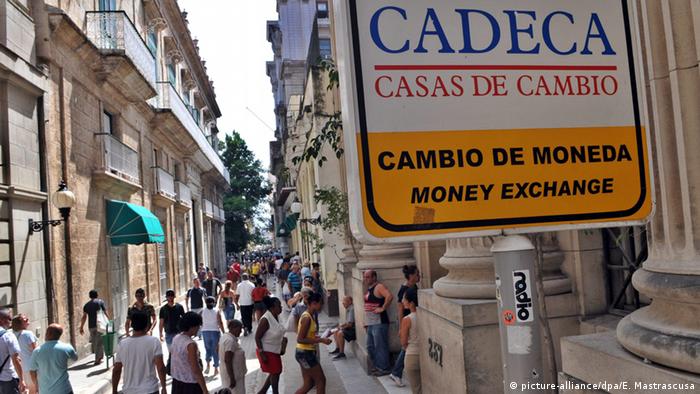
pixel 102 322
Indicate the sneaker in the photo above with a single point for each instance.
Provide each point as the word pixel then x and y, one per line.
pixel 339 356
pixel 397 380
pixel 336 351
pixel 206 371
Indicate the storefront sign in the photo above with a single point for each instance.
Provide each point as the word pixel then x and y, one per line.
pixel 484 117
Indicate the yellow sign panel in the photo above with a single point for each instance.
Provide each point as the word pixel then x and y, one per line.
pixel 462 130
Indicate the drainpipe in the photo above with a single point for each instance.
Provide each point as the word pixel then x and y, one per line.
pixel 67 223
pixel 43 178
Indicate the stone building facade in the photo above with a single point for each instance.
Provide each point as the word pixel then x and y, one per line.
pixel 620 301
pixel 125 112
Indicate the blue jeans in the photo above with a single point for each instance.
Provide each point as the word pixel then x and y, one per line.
pixel 398 367
pixel 378 346
pixel 211 343
pixel 229 312
pixel 169 339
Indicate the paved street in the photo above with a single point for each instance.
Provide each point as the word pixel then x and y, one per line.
pixel 346 376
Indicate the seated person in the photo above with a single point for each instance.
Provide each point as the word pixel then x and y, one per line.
pixel 345 332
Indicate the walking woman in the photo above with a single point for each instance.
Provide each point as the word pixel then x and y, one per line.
pixel 409 341
pixel 271 344
pixel 27 343
pixel 212 327
pixel 226 300
pixel 185 367
pixel 306 356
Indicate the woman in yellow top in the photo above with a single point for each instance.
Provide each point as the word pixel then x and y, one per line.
pixel 255 269
pixel 307 338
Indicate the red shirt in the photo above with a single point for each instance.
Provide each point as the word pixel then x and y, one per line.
pixel 259 293
pixel 237 267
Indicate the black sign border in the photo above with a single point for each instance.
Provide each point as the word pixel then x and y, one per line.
pixel 479 224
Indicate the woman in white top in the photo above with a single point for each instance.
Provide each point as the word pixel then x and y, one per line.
pixel 271 343
pixel 27 343
pixel 409 340
pixel 185 365
pixel 233 356
pixel 212 327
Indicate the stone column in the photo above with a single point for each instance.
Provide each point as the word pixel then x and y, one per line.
pixel 348 261
pixel 667 331
pixel 470 266
pixel 554 280
pixel 387 260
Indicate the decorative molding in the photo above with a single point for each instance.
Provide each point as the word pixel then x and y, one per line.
pixel 157 24
pixel 173 56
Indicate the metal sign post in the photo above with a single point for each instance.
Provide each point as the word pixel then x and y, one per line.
pixel 521 350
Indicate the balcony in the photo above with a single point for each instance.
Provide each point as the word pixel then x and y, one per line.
pixel 126 61
pixel 118 166
pixel 164 188
pixel 183 197
pixel 176 118
pixel 221 214
pixel 207 208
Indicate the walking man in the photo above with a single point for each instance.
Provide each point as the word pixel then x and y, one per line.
pixel 212 285
pixel 377 301
pixel 90 310
pixel 11 373
pixel 170 315
pixel 139 357
pixel 244 301
pixel 195 297
pixel 141 306
pixel 49 368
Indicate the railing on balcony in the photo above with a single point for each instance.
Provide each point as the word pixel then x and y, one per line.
pixel 165 183
pixel 208 208
pixel 121 160
pixel 184 195
pixel 168 98
pixel 114 31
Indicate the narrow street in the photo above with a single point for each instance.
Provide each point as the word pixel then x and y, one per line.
pixel 343 376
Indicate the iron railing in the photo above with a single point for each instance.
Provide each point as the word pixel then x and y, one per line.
pixel 168 98
pixel 113 31
pixel 184 195
pixel 120 159
pixel 165 183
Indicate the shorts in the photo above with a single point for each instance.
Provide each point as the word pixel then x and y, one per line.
pixel 349 334
pixel 306 358
pixel 273 364
pixel 259 306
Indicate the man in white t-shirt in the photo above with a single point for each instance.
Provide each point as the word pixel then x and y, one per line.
pixel 11 374
pixel 137 356
pixel 244 302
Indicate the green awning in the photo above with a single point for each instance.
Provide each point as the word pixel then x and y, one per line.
pixel 288 225
pixel 132 224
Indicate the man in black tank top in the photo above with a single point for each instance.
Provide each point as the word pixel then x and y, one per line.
pixel 377 301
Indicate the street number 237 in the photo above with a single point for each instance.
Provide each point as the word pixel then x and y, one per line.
pixel 435 351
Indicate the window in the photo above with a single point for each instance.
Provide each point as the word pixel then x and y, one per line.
pixel 195 115
pixel 172 77
pixel 107 5
pixel 107 122
pixel 152 42
pixel 322 9
pixel 186 98
pixel 324 47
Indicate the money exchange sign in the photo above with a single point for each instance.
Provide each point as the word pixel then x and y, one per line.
pixel 482 117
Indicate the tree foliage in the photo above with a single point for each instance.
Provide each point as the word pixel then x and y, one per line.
pixel 248 191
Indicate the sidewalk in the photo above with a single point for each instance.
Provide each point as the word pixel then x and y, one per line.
pixel 342 376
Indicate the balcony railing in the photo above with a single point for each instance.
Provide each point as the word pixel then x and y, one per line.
pixel 184 195
pixel 168 98
pixel 165 183
pixel 114 31
pixel 208 208
pixel 121 160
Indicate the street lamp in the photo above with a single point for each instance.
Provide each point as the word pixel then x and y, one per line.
pixel 63 199
pixel 296 206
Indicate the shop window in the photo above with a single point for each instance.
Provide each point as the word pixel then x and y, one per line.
pixel 324 47
pixel 322 9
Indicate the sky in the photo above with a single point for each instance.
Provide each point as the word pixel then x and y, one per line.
pixel 233 41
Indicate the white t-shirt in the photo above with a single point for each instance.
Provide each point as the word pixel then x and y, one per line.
pixel 137 354
pixel 8 346
pixel 245 292
pixel 272 340
pixel 278 263
pixel 209 319
pixel 229 343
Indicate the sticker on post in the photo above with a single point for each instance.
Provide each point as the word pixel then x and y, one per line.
pixel 523 295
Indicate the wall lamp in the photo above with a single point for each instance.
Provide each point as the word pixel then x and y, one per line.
pixel 314 219
pixel 64 200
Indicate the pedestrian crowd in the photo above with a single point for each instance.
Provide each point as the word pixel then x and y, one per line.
pixel 208 314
